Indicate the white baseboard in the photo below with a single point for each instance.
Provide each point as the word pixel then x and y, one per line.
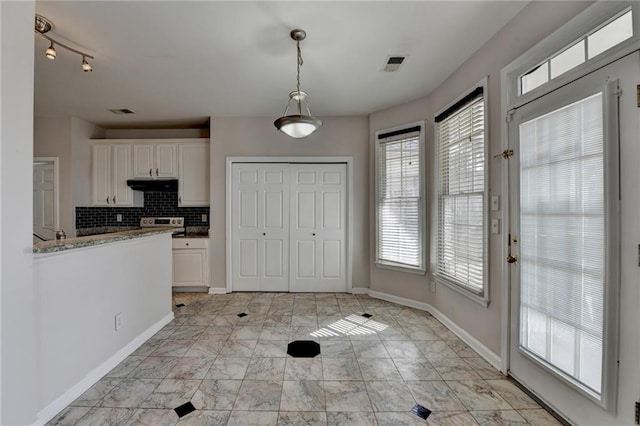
pixel 51 410
pixel 217 290
pixel 359 290
pixel 486 353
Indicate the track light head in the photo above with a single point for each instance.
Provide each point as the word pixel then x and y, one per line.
pixel 51 52
pixel 86 66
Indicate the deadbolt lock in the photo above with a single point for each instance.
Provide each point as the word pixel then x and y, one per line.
pixel 512 259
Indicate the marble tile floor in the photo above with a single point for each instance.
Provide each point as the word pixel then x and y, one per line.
pixel 236 371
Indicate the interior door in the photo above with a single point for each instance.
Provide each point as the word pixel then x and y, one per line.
pixel 318 227
pixel 45 201
pixel 260 226
pixel 574 277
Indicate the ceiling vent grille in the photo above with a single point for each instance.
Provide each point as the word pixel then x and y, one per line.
pixel 393 62
pixel 121 111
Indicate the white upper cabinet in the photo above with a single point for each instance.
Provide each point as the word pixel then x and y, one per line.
pixel 155 160
pixel 110 170
pixel 193 174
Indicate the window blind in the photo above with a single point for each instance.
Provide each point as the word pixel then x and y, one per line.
pixel 562 239
pixel 399 199
pixel 461 170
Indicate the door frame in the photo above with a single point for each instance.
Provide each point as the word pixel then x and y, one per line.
pixel 509 75
pixel 290 160
pixel 56 184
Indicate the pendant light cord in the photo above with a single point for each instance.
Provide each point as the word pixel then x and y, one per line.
pixel 298 79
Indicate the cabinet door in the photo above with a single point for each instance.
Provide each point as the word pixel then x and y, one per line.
pixel 143 161
pixel 122 195
pixel 189 267
pixel 101 175
pixel 193 180
pixel 166 164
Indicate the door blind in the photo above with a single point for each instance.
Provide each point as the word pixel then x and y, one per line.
pixel 562 239
pixel 461 168
pixel 399 209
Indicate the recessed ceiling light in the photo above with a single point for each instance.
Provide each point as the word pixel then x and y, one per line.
pixel 121 111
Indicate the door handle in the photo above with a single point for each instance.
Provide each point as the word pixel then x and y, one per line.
pixel 264 233
pixel 512 259
pixel 314 234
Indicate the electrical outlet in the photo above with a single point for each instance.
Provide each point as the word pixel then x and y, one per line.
pixel 118 321
pixel 204 217
pixel 118 218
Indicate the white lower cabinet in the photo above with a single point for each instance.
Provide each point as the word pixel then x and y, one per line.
pixel 190 262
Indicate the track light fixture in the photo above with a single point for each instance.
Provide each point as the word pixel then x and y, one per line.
pixel 51 52
pixel 42 26
pixel 298 125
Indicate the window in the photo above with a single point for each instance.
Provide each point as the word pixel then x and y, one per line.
pixel 598 40
pixel 461 248
pixel 400 198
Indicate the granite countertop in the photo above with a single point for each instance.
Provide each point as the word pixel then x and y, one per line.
pixel 94 240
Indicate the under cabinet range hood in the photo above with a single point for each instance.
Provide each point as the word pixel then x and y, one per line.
pixel 153 184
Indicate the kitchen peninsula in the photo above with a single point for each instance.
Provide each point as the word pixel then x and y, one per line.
pixel 100 297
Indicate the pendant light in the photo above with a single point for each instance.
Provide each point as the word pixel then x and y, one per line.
pixel 298 125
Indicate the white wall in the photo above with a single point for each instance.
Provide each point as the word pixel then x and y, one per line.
pixel 20 375
pixel 79 292
pixel 339 136
pixel 531 25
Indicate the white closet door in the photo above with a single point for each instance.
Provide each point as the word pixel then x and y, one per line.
pixel 260 226
pixel 318 227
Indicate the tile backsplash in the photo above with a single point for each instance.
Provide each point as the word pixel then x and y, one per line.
pixel 156 204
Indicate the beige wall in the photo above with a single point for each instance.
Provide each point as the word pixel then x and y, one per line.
pixel 339 136
pixel 52 138
pixel 68 139
pixel 530 26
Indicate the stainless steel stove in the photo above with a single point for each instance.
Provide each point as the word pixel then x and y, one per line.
pixel 154 222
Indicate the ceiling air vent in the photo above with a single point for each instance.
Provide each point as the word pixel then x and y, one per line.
pixel 393 63
pixel 121 111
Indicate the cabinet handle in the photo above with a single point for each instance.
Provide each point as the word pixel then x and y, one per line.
pixel 314 234
pixel 150 174
pixel 114 199
pixel 179 199
pixel 157 172
pixel 186 244
pixel 107 200
pixel 264 233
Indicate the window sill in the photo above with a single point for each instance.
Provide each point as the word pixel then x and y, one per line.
pixel 399 268
pixel 481 300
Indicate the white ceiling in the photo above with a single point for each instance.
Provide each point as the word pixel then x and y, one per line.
pixel 177 63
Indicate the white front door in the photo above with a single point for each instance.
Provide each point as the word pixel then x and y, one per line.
pixel 260 227
pixel 45 201
pixel 318 227
pixel 574 233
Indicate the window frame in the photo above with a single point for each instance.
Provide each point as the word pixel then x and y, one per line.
pixel 483 299
pixel 422 269
pixel 586 22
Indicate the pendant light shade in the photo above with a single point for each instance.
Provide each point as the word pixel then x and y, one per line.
pixel 50 52
pixel 298 125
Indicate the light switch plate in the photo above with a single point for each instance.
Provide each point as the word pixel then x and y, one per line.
pixel 495 226
pixel 495 203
